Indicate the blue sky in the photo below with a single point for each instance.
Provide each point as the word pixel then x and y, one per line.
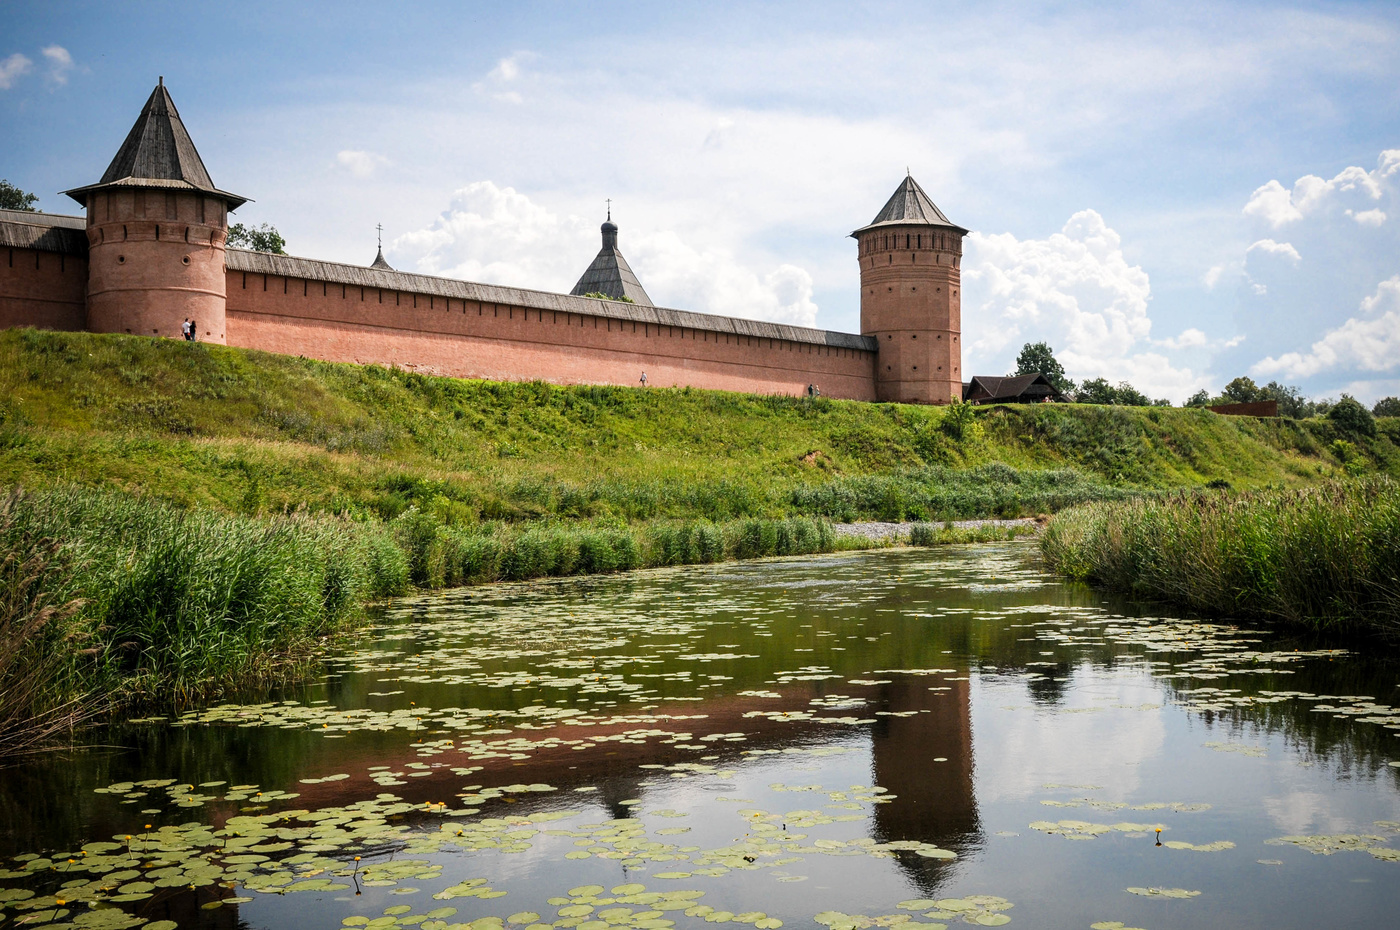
pixel 1173 194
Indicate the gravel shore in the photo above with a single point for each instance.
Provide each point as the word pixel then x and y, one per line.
pixel 891 531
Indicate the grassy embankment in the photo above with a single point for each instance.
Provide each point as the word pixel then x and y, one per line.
pixel 1324 557
pixel 247 503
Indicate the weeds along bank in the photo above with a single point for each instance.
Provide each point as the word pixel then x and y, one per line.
pixel 126 600
pixel 1326 556
pixel 248 432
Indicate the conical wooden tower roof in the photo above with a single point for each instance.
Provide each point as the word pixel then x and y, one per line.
pixel 158 152
pixel 910 206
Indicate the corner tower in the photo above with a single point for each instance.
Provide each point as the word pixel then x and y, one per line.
pixel 156 227
pixel 910 298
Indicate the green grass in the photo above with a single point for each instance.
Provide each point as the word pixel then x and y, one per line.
pixel 239 431
pixel 1324 557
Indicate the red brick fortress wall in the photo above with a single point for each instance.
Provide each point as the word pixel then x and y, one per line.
pixel 42 289
pixel 351 314
pixel 43 271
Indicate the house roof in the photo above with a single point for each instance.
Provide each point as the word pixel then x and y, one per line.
pixel 158 152
pixel 380 263
pixel 910 206
pixel 1009 387
pixel 610 274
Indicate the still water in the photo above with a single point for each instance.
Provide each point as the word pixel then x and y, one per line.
pixel 919 737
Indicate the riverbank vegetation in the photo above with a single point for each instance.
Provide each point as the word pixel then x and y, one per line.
pixel 110 599
pixel 240 431
pixel 194 515
pixel 1324 557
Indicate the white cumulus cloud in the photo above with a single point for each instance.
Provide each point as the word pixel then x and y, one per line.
pixel 359 163
pixel 12 68
pixel 498 235
pixel 1370 342
pixel 1270 247
pixel 501 82
pixel 1278 206
pixel 1075 290
pixel 60 63
pixel 1189 339
pixel 1299 299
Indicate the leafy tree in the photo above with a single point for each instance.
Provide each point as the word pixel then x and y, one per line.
pixel 1241 391
pixel 601 296
pixel 264 238
pixel 1096 391
pixel 12 198
pixel 1039 358
pixel 1099 391
pixel 1387 407
pixel 1291 402
pixel 1349 415
pixel 1130 396
pixel 1199 399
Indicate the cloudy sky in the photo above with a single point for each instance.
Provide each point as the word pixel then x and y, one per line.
pixel 1173 194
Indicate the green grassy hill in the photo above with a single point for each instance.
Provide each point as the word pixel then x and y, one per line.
pixel 243 431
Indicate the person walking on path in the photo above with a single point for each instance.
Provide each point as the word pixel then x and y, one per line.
pixel 644 379
pixel 185 329
pixel 194 332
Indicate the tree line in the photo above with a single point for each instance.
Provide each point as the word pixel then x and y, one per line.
pixel 1039 358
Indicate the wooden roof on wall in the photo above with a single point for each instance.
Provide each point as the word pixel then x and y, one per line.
pixel 407 282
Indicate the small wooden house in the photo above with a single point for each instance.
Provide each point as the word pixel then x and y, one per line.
pixel 1011 389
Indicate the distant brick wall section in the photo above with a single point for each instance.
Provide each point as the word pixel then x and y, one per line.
pixel 45 290
pixel 554 340
pixel 1261 408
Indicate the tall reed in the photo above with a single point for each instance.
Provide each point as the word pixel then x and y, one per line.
pixel 176 600
pixel 1323 556
pixel 38 641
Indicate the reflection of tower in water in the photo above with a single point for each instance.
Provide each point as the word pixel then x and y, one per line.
pixel 935 802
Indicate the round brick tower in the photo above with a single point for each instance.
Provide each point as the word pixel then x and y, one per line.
pixel 156 226
pixel 910 287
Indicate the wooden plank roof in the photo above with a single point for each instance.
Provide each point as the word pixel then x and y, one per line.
pixel 158 152
pixel 44 232
pixel 361 276
pixel 910 206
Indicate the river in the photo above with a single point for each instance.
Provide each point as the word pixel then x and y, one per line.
pixel 925 738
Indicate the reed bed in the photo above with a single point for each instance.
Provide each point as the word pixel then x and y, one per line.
pixel 945 534
pixel 109 600
pixel 1325 557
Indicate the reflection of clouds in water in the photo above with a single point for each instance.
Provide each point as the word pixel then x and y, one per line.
pixel 1303 812
pixel 1084 740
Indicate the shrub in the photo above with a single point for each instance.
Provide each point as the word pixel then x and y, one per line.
pixel 1350 416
